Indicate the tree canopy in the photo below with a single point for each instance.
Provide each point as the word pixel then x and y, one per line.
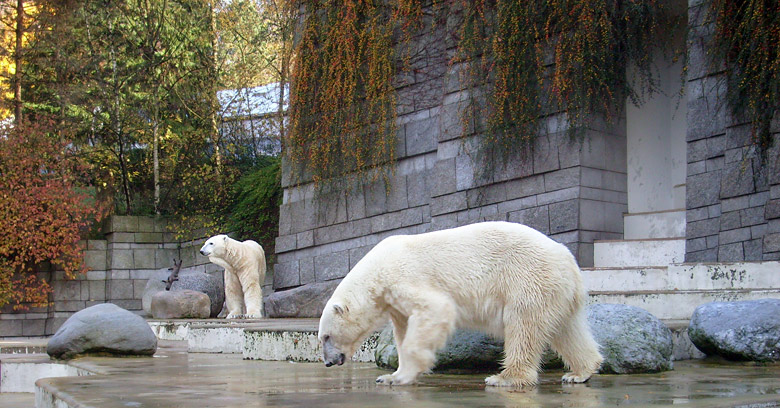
pixel 127 90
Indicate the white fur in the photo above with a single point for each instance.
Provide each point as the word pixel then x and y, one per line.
pixel 244 264
pixel 506 279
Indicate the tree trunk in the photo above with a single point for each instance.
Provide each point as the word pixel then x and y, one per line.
pixel 214 102
pixel 18 61
pixel 156 159
pixel 117 127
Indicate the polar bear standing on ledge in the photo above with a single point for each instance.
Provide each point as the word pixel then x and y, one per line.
pixel 244 264
pixel 505 279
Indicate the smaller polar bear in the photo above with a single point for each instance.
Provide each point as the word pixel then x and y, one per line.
pixel 506 279
pixel 244 264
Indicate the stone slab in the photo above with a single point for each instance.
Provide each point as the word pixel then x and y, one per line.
pixel 664 224
pixel 651 252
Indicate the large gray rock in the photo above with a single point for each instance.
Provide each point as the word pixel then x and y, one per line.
pixel 211 285
pixel 180 304
pixel 632 340
pixel 103 328
pixel 746 330
pixel 466 351
pixel 303 301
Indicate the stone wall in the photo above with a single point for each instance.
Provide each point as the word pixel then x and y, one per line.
pixel 119 267
pixel 733 191
pixel 574 191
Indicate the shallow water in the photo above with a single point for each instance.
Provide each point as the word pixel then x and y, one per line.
pixel 175 378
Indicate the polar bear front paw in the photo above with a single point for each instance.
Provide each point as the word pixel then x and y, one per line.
pixel 500 381
pixel 233 316
pixel 574 378
pixel 395 379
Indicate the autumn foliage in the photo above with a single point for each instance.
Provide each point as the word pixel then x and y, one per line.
pixel 44 209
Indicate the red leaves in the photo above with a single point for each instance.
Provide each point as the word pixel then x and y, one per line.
pixel 43 210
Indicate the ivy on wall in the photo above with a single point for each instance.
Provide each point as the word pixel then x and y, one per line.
pixel 542 57
pixel 747 34
pixel 530 58
pixel 342 112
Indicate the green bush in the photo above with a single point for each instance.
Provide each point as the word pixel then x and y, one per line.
pixel 255 209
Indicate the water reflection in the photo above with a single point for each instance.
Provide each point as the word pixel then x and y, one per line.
pixel 208 380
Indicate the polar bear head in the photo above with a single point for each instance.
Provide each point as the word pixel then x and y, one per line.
pixel 214 246
pixel 342 329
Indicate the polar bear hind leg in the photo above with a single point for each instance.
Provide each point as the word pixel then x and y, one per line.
pixel 234 295
pixel 576 346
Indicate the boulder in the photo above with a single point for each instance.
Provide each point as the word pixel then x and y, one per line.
pixel 466 351
pixel 211 285
pixel 180 304
pixel 303 301
pixel 743 331
pixel 632 340
pixel 103 328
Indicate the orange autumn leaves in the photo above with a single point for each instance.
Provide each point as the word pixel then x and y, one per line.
pixel 44 208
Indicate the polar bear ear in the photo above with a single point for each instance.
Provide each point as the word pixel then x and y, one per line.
pixel 224 238
pixel 338 309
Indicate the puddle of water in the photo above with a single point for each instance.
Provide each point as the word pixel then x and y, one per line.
pixel 209 380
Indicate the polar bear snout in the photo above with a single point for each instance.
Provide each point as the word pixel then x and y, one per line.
pixel 339 360
pixel 207 248
pixel 331 354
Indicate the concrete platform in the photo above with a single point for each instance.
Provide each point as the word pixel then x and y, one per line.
pixel 175 378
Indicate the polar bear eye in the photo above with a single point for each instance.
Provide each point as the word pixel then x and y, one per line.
pixel 325 338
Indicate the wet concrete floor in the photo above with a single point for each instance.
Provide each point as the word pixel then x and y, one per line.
pixel 175 378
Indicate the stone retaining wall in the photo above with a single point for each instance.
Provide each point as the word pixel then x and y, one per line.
pixel 119 267
pixel 574 191
pixel 733 191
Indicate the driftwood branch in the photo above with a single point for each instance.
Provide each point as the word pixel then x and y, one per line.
pixel 174 276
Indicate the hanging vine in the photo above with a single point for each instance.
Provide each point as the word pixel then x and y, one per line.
pixel 342 113
pixel 529 59
pixel 542 57
pixel 747 34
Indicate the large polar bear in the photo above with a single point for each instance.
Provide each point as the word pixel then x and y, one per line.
pixel 506 279
pixel 244 264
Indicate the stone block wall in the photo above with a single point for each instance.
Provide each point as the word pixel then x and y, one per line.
pixel 119 267
pixel 733 190
pixel 574 191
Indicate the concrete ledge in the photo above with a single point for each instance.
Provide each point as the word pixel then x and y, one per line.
pixel 176 330
pixel 19 373
pixel 302 346
pixel 219 339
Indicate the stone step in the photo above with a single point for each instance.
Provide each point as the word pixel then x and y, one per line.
pixel 679 304
pixel 722 276
pixel 674 292
pixel 640 252
pixel 652 225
